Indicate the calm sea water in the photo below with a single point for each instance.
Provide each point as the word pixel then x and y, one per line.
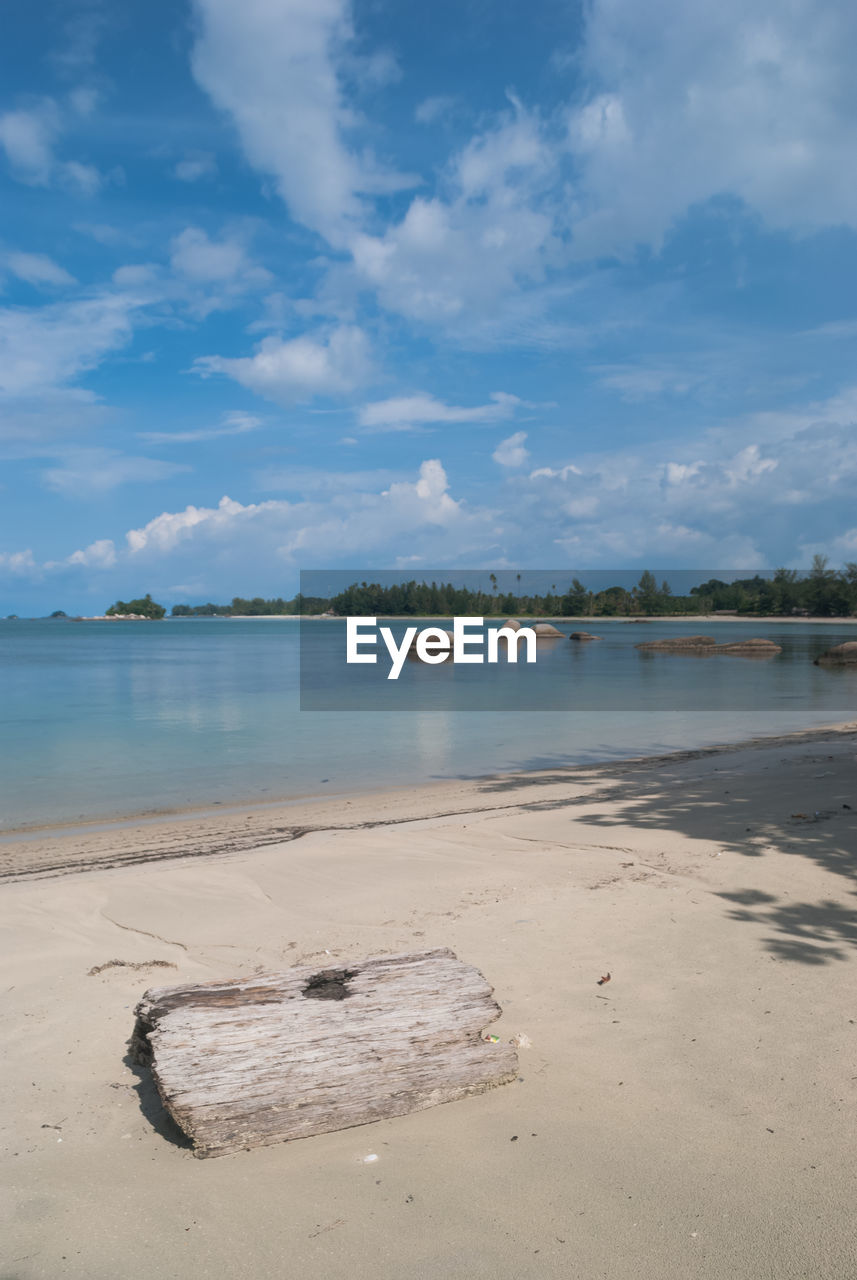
pixel 106 719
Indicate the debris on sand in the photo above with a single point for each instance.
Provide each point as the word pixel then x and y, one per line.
pixel 130 964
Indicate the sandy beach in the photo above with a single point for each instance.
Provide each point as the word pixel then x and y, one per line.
pixel 692 1118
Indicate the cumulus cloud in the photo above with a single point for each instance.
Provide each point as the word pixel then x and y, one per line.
pixel 277 69
pixel 19 563
pixel 723 499
pixel 38 269
pixel 451 258
pixel 511 452
pixel 401 413
pixel 98 555
pixel 712 501
pixel 748 99
pixel 356 520
pixel 296 369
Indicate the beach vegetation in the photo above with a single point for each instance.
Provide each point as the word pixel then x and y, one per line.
pixel 145 607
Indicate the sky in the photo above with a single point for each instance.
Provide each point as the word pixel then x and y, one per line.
pixel 292 284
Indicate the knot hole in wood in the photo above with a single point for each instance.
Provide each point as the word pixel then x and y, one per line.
pixel 330 984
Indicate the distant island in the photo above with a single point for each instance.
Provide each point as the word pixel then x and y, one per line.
pixel 143 608
pixel 822 592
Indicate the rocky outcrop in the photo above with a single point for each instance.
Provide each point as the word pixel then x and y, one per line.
pixel 583 636
pixel 546 631
pixel 841 655
pixel 752 648
pixel 512 624
pixel 678 644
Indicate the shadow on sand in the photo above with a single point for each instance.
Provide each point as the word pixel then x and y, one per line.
pixel 661 795
pixel 152 1107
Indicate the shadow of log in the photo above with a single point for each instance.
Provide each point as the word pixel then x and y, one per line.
pixel 152 1107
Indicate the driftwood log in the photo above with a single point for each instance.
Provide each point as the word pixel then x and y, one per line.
pixel 250 1062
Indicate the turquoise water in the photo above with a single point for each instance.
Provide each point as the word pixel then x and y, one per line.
pixel 105 719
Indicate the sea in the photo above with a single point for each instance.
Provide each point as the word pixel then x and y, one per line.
pixel 103 720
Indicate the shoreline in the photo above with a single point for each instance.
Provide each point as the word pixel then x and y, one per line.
pixel 600 618
pixel 689 1118
pixel 216 831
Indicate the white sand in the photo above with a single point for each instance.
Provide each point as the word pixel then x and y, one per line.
pixel 692 1118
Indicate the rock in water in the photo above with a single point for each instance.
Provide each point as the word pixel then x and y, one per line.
pixel 678 644
pixel 753 648
pixel 841 655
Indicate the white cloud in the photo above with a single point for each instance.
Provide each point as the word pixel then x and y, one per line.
pixel 555 473
pixel 401 413
pixel 18 563
pixel 273 66
pixel 168 529
pixel 297 369
pixel 29 138
pixel 511 452
pixel 215 273
pixel 193 168
pixel 83 178
pixel 637 382
pixel 354 521
pixel 434 108
pixel 92 471
pixel 845 546
pixel 50 346
pixel 104 233
pixel 205 261
pixel 136 275
pixel 98 555
pixel 460 259
pixel 84 100
pixel 724 499
pixel 746 99
pixel 233 424
pixel 715 501
pixel 37 268
pixel 748 465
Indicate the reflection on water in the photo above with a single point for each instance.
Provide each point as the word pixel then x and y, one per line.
pixel 100 719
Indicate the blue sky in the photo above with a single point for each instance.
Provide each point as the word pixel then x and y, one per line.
pixel 300 283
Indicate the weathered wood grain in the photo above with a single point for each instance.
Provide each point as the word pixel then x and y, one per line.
pixel 251 1062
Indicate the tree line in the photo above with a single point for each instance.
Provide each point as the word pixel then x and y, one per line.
pixel 822 592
